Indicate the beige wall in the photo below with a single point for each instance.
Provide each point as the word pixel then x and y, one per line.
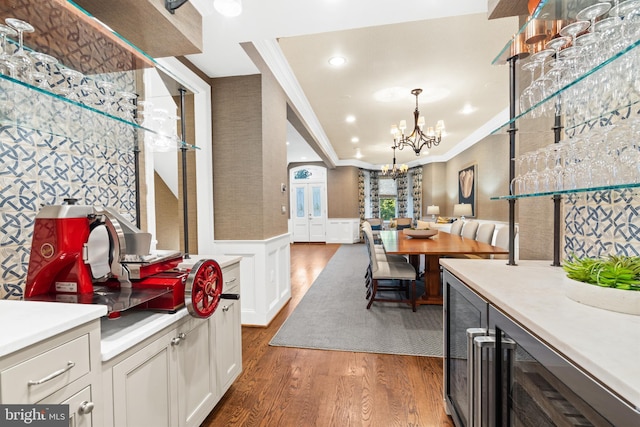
pixel 491 157
pixel 440 180
pixel 249 157
pixel 167 231
pixel 434 192
pixel 342 192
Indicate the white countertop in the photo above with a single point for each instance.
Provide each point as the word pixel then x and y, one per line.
pixel 223 260
pixel 603 343
pixel 28 322
pixel 132 327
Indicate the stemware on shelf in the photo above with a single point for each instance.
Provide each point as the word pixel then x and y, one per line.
pixel 540 83
pixel 591 13
pixel 526 96
pixel 6 65
pixel 74 80
pixel 44 65
pixel 20 58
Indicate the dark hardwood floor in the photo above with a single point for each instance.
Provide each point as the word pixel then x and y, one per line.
pixel 298 387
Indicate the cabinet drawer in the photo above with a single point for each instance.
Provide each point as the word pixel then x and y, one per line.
pixel 44 374
pixel 231 277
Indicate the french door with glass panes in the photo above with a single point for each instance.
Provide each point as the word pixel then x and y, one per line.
pixel 309 212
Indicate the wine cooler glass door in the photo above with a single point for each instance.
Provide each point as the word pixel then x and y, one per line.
pixel 539 387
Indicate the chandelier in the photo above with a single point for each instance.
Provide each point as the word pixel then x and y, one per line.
pixel 417 139
pixel 394 171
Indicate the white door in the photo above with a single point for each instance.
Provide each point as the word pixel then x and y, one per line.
pixel 309 212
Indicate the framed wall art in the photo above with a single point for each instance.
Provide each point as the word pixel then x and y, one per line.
pixel 467 179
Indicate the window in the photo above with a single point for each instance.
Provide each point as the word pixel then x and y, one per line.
pixel 388 197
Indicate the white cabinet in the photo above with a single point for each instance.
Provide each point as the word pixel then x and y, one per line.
pixel 169 382
pixel 197 387
pixel 228 344
pixel 63 369
pixel 175 377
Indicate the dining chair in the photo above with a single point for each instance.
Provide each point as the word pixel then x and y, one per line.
pixel 469 229
pixel 400 272
pixel 376 223
pixel 402 223
pixel 456 227
pixel 380 254
pixel 502 241
pixel 485 232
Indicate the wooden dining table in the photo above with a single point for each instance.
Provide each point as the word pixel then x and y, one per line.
pixel 433 248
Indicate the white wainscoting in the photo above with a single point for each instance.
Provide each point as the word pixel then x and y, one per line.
pixel 265 276
pixel 343 230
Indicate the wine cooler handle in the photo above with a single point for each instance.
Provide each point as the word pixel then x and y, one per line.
pixel 472 333
pixel 484 392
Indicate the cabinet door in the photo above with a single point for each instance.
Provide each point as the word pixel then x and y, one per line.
pixel 145 386
pixel 80 409
pixel 196 371
pixel 81 406
pixel 228 342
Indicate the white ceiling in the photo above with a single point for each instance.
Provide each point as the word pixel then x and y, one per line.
pixel 439 46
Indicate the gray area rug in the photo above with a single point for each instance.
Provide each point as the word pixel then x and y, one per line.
pixel 333 315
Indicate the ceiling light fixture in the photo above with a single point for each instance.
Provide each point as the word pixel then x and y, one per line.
pixel 350 119
pixel 417 139
pixel 228 8
pixel 355 139
pixel 394 171
pixel 337 61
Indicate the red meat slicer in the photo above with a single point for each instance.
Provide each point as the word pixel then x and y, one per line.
pixel 93 255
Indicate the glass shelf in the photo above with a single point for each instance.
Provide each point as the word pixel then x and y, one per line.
pixel 573 191
pixel 548 10
pixel 554 96
pixel 30 107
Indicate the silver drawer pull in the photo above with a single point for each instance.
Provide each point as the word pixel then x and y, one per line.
pixel 52 375
pixel 177 340
pixel 85 407
pixel 226 282
pixel 225 308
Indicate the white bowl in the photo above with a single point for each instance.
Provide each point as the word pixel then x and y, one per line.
pixel 419 234
pixel 611 299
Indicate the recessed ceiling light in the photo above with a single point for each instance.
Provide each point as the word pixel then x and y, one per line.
pixel 350 119
pixel 303 157
pixel 287 142
pixel 355 139
pixel 228 8
pixel 337 61
pixel 358 154
pixel 468 109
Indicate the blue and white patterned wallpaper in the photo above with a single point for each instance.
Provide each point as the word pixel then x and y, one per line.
pixel 602 223
pixel 37 168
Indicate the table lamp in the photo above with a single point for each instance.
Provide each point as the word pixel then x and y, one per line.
pixel 462 210
pixel 433 211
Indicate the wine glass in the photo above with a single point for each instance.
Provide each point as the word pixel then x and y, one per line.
pixel 20 59
pixel 74 80
pixel 540 83
pixel 126 105
pixel 526 97
pixel 6 66
pixel 44 64
pixel 590 13
pixel 107 95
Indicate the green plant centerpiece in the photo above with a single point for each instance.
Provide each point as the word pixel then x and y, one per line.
pixel 613 271
pixel 607 282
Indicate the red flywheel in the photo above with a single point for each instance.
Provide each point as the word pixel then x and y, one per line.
pixel 203 288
